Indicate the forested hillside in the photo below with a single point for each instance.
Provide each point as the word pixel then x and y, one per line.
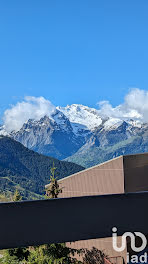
pixel 27 170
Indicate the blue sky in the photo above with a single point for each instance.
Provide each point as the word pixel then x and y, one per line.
pixel 76 51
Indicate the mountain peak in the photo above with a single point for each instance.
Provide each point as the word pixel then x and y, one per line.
pixel 3 131
pixel 88 117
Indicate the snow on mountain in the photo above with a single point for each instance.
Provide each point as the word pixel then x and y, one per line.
pixel 135 123
pixel 85 118
pixel 112 123
pixel 81 116
pixel 61 120
pixel 3 131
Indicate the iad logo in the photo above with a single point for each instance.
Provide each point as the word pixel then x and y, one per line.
pixel 123 242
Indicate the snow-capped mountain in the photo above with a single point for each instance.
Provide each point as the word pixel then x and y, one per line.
pixel 91 118
pixel 76 132
pixel 50 136
pixel 82 115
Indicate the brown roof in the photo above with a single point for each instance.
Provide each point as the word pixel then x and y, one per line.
pixel 122 174
pixel 105 178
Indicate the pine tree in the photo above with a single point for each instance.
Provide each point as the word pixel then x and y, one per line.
pixel 54 189
pixel 17 197
pixel 58 253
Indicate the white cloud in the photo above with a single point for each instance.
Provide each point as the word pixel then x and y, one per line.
pixel 30 108
pixel 135 106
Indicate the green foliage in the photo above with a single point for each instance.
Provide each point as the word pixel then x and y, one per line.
pixel 15 256
pixel 17 197
pixel 4 197
pixel 7 259
pixel 26 170
pixel 62 252
pixel 53 189
pixel 37 256
pixel 54 254
pixel 94 256
pixel 46 254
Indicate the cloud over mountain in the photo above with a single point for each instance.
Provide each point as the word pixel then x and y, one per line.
pixel 31 108
pixel 135 106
